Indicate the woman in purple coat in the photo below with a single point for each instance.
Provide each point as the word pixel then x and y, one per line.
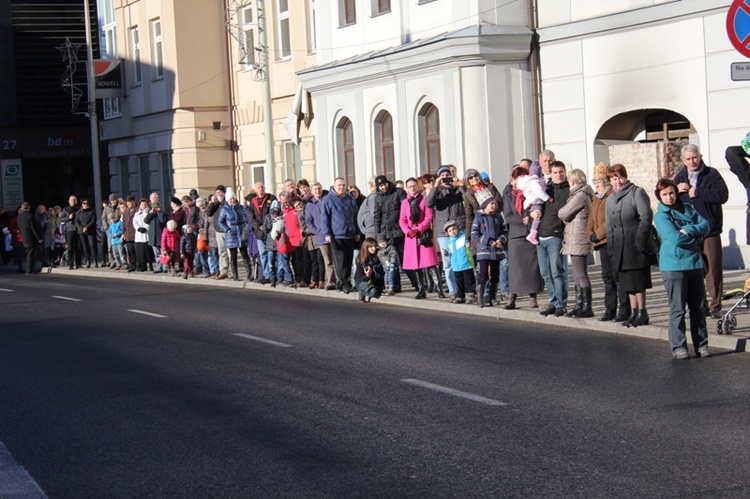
pixel 415 219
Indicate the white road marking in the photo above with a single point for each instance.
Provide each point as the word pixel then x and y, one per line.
pixel 66 298
pixel 452 391
pixel 6 290
pixel 150 314
pixel 263 340
pixel 15 481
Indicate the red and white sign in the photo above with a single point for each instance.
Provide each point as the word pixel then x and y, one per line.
pixel 738 26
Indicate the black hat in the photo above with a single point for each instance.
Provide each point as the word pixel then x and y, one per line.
pixel 176 201
pixel 113 197
pixel 380 180
pixel 130 198
pixel 381 237
pixel 221 188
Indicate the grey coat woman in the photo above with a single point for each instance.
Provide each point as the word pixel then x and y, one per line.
pixel 629 218
pixel 575 214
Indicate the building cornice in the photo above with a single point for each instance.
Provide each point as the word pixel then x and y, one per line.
pixel 661 13
pixel 469 46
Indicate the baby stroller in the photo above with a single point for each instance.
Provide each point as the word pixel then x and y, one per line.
pixel 728 323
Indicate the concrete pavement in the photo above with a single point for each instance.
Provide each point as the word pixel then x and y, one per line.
pixel 656 303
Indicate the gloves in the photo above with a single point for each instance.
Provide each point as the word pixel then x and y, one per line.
pixel 593 238
pixel 142 230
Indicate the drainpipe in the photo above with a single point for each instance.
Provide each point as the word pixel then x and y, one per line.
pixel 233 146
pixel 536 84
pixel 267 108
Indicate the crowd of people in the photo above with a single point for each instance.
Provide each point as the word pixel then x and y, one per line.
pixel 456 236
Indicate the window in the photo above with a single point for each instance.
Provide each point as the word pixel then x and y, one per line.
pixel 124 177
pixel 384 156
pixel 157 55
pixel 111 108
pixel 429 138
pixel 145 174
pixel 345 150
pixel 292 160
pixel 347 13
pixel 312 34
pixel 166 175
pixel 285 44
pixel 135 49
pixel 380 6
pixel 247 38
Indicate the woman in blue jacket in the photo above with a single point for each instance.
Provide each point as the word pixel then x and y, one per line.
pixel 231 220
pixel 681 230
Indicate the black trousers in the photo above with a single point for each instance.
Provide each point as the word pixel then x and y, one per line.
pixel 343 256
pixel 318 267
pixel 88 246
pixel 141 255
pixel 74 253
pixel 131 254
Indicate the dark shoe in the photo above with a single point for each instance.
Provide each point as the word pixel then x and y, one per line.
pixel 273 283
pixel 641 319
pixel 346 289
pixel 511 305
pixel 630 318
pixel 585 310
pixel 548 311
pixel 330 287
pixel 716 314
pixel 579 304
pixel 559 311
pixel 480 292
pixel 608 316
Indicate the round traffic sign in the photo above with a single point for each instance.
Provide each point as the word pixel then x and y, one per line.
pixel 738 26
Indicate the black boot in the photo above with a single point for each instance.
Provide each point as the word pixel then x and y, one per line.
pixel 641 319
pixel 577 309
pixel 234 272
pixel 430 281
pixel 248 268
pixel 608 316
pixel 435 273
pixel 421 285
pixel 511 305
pixel 633 316
pixel 481 300
pixel 625 315
pixel 586 310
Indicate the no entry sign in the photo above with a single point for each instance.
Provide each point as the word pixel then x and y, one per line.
pixel 738 26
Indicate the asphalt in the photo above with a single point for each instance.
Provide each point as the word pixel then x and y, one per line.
pixel 656 302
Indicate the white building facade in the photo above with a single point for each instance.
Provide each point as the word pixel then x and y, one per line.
pixel 631 71
pixel 404 86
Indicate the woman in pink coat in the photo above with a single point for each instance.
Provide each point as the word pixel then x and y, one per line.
pixel 416 219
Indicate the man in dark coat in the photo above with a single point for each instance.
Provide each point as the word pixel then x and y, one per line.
pixel 447 201
pixel 259 204
pixel 31 235
pixel 386 212
pixel 552 264
pixel 128 231
pixel 704 188
pixel 68 217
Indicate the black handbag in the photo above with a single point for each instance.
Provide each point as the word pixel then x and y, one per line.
pixel 425 238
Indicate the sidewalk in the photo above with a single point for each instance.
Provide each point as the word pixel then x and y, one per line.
pixel 656 303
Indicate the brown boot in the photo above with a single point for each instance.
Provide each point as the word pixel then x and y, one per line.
pixel 511 305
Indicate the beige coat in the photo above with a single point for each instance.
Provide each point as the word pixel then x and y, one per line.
pixel 598 219
pixel 575 213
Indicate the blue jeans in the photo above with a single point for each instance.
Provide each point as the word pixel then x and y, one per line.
pixel 686 287
pixel 213 261
pixel 266 261
pixel 283 272
pixel 504 286
pixel 390 275
pixel 201 262
pixel 450 278
pixel 554 269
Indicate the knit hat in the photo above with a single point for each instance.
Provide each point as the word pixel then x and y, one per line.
pixel 486 202
pixel 484 176
pixel 113 197
pixel 230 194
pixel 200 201
pixel 381 237
pixel 172 225
pixel 221 188
pixel 444 169
pixel 449 224
pixel 380 180
pixel 470 173
pixel 483 196
pixel 156 205
pixel 600 171
pixel 185 228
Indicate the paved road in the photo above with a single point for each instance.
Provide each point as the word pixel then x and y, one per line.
pixel 240 393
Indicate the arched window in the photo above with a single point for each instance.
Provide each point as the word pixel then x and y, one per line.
pixel 429 138
pixel 384 157
pixel 345 150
